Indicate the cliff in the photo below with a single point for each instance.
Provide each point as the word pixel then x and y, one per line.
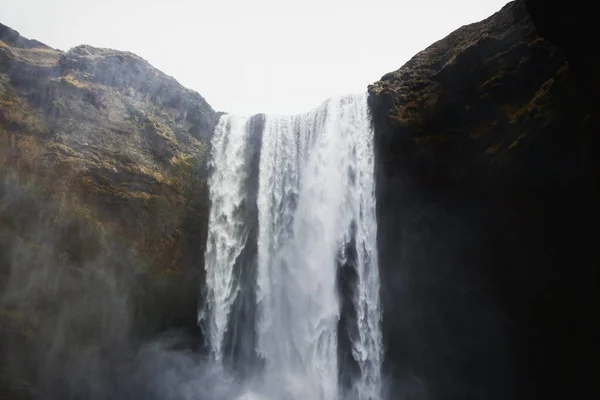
pixel 487 192
pixel 487 185
pixel 103 203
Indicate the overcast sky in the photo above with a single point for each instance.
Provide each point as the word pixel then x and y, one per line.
pixel 256 55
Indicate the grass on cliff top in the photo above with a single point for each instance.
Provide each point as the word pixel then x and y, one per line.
pixel 73 81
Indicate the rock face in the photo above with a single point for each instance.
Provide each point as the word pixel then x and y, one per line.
pixel 487 188
pixel 103 204
pixel 570 25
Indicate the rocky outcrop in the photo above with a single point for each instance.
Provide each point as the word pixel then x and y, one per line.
pixel 13 38
pixel 487 185
pixel 103 205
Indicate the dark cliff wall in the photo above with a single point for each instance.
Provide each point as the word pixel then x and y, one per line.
pixel 103 209
pixel 571 26
pixel 487 188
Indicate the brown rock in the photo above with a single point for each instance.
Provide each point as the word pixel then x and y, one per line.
pixel 103 205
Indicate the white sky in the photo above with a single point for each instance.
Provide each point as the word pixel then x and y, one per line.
pixel 256 55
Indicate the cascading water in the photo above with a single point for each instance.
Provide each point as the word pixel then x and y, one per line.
pixel 227 233
pixel 315 198
pixel 367 349
pixel 299 231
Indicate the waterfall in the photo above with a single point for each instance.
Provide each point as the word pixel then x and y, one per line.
pixel 298 241
pixel 227 233
pixel 367 348
pixel 315 200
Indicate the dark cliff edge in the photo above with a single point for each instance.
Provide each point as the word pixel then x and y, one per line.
pixel 487 189
pixel 103 212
